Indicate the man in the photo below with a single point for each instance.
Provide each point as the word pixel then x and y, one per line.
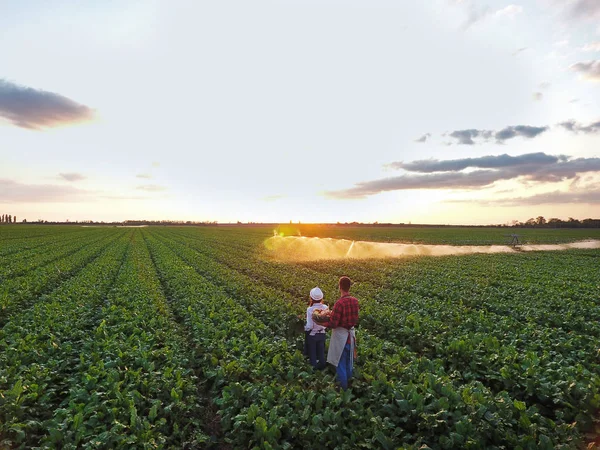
pixel 342 321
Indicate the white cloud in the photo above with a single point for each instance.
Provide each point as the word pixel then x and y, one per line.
pixel 593 47
pixel 509 11
pixel 590 70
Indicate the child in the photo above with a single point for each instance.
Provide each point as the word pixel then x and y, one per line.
pixel 315 333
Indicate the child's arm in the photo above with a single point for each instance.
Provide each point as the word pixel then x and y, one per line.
pixel 309 320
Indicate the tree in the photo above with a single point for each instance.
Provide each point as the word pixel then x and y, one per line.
pixel 530 222
pixel 555 222
pixel 14 219
pixel 540 220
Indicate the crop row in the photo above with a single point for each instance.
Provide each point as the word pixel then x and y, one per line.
pixel 133 384
pixel 20 246
pixel 40 349
pixel 17 265
pixel 22 291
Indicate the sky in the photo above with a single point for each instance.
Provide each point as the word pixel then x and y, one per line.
pixel 445 111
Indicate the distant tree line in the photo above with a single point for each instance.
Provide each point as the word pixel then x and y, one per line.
pixel 7 218
pixel 167 222
pixel 541 222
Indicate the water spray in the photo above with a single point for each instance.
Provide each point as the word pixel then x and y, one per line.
pixel 350 249
pixel 294 248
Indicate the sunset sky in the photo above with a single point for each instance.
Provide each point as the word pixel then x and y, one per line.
pixel 441 111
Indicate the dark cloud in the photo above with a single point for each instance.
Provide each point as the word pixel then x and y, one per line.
pixel 151 188
pixel 519 130
pixel 588 69
pixel 423 138
pixel 71 176
pixel 13 192
pixel 537 167
pixel 471 136
pixel 467 137
pixel 484 162
pixel 575 127
pixel 562 170
pixel 35 109
pixel 446 180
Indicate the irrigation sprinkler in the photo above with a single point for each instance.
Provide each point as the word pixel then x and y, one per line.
pixel 514 240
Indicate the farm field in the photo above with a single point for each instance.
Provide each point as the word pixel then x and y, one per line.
pixel 189 337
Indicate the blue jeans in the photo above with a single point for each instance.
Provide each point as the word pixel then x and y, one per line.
pixel 344 367
pixel 316 350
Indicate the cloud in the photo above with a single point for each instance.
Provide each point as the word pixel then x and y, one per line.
pixel 575 127
pixel 155 164
pixel 519 130
pixel 14 192
pixel 537 96
pixel 71 176
pixel 467 137
pixel 585 9
pixel 144 175
pixel 589 70
pixel 423 138
pixel 151 188
pixel 35 109
pixel 519 50
pixel 483 162
pixel 446 180
pixel 477 14
pixel 509 11
pixel 450 174
pixel 545 85
pixel 593 47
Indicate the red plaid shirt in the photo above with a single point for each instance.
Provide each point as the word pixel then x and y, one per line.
pixel 344 313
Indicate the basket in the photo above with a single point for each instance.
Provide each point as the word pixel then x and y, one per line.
pixel 321 316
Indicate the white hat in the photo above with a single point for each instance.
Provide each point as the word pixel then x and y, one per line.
pixel 316 294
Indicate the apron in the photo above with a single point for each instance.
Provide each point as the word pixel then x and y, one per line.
pixel 339 337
